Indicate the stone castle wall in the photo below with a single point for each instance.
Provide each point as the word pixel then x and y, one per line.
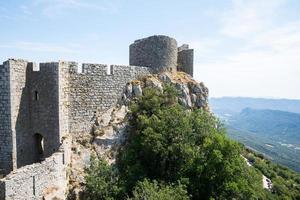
pixel 63 98
pixel 54 101
pixel 24 116
pixel 95 90
pixel 51 102
pixel 185 59
pixel 14 127
pixel 43 93
pixel 5 125
pixel 41 107
pixel 19 110
pixel 45 180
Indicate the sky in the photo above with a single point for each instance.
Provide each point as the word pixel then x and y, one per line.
pixel 242 47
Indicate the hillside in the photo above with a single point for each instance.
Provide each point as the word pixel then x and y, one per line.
pixel 277 125
pixel 268 126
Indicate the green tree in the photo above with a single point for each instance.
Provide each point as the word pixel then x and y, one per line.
pixel 170 144
pixel 174 153
pixel 102 182
pixel 147 190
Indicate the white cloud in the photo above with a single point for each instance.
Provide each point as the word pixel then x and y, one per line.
pixel 279 39
pixel 265 64
pixel 52 8
pixel 269 66
pixel 205 45
pixel 278 47
pixel 25 10
pixel 248 17
pixel 39 47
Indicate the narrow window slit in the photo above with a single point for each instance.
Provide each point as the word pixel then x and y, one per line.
pixel 36 95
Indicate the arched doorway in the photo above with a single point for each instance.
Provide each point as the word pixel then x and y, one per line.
pixel 39 147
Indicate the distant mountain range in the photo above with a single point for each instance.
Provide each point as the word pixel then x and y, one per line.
pixel 269 126
pixel 278 125
pixel 231 105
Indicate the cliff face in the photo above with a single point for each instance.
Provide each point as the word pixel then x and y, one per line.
pixel 192 93
pixel 110 127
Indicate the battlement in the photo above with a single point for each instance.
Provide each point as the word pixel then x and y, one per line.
pixel 73 67
pixel 40 103
pixel 100 69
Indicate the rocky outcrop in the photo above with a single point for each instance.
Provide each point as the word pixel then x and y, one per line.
pixel 110 127
pixel 191 93
pixel 107 135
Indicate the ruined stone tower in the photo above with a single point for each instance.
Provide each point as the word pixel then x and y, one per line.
pixel 185 59
pixel 162 54
pixel 39 105
pixel 31 122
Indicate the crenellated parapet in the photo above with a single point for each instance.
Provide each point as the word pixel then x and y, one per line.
pixel 96 88
pixel 42 103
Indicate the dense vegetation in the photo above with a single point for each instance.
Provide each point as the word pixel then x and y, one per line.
pixel 278 152
pixel 173 153
pixel 272 132
pixel 286 183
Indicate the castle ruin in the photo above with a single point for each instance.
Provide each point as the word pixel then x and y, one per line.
pixel 40 105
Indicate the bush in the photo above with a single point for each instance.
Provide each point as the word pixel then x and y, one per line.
pixel 102 182
pixel 147 190
pixel 168 143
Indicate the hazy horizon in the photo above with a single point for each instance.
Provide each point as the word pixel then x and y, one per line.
pixel 268 98
pixel 242 48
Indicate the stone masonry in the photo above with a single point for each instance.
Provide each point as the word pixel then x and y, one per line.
pixel 42 105
pixel 185 59
pixel 158 52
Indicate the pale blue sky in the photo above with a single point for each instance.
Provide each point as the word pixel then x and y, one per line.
pixel 242 47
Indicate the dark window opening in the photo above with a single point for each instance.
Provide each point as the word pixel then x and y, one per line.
pixel 39 147
pixel 36 95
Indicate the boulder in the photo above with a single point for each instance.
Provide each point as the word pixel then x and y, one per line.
pixel 201 101
pixel 165 77
pixel 194 98
pixel 197 88
pixel 154 83
pixel 128 90
pixel 185 98
pixel 137 90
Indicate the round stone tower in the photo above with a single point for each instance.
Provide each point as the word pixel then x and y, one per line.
pixel 158 52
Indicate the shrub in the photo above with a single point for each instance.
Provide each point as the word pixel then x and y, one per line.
pixel 158 191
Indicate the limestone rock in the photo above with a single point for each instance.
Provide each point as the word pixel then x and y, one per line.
pixel 128 90
pixel 194 98
pixel 201 101
pixel 119 114
pixel 197 89
pixel 105 117
pixel 151 82
pixel 185 98
pixel 165 77
pixel 137 90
